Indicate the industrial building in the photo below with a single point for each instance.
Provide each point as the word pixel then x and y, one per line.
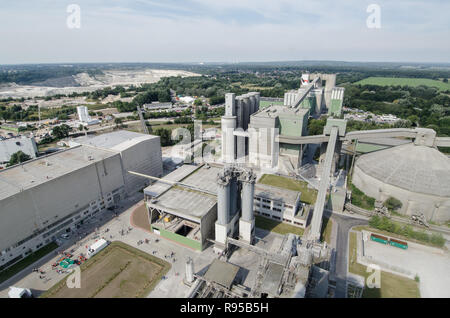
pixel 48 195
pixel 317 93
pixel 264 128
pixel 84 118
pixel 279 204
pixel 417 175
pixel 184 214
pixel 139 152
pixel 196 204
pixel 265 135
pixel 157 105
pixel 235 123
pixel 10 146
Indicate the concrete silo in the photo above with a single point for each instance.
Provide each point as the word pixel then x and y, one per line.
pixel 247 221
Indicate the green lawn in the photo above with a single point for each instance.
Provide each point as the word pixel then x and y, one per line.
pixel 307 195
pixel 27 261
pixel 325 233
pixel 403 81
pixel 392 286
pixel 277 227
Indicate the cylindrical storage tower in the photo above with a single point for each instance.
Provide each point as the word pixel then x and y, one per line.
pixel 230 104
pixel 223 200
pixel 233 197
pixel 252 104
pixel 246 117
pixel 257 100
pixel 248 190
pixel 228 143
pixel 189 270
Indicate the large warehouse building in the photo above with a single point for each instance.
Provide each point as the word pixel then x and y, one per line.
pixel 139 152
pixel 417 175
pixel 185 214
pixel 45 196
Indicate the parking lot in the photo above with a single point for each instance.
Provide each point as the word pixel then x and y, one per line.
pixel 430 264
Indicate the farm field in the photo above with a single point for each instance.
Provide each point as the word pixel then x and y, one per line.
pixel 389 81
pixel 119 271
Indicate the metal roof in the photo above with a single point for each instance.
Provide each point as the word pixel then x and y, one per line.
pixel 43 169
pixel 186 202
pixel 222 273
pixel 117 140
pixel 277 194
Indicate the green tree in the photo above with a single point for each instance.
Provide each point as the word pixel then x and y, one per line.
pixel 61 131
pixel 118 121
pixel 18 157
pixel 393 204
pixel 198 102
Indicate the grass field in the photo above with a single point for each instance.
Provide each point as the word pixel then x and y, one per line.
pixel 119 271
pixel 307 195
pixel 403 81
pixel 325 233
pixel 392 286
pixel 277 227
pixel 27 261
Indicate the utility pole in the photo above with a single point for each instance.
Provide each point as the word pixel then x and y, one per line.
pixel 141 117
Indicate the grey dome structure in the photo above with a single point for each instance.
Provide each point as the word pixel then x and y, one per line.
pixel 418 176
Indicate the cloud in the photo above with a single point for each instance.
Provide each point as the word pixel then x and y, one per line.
pixel 231 30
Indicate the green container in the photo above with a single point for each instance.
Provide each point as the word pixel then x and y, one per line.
pixel 376 239
pixel 403 246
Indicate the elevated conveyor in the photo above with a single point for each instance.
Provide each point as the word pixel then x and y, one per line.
pixel 316 223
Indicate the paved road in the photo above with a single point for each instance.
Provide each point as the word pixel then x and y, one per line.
pixel 344 224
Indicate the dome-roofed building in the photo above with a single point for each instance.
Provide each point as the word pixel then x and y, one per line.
pixel 415 174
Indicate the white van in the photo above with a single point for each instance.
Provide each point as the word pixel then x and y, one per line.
pixel 97 247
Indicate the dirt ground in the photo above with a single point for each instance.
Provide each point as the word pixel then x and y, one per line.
pixel 139 218
pixel 115 273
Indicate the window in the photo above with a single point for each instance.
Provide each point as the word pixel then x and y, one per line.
pixel 276 217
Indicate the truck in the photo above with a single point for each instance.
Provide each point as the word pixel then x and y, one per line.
pixel 379 238
pixel 97 247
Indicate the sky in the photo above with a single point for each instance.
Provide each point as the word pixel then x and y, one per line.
pixel 223 31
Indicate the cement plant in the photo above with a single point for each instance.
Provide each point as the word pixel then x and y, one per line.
pixel 237 180
pixel 202 221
